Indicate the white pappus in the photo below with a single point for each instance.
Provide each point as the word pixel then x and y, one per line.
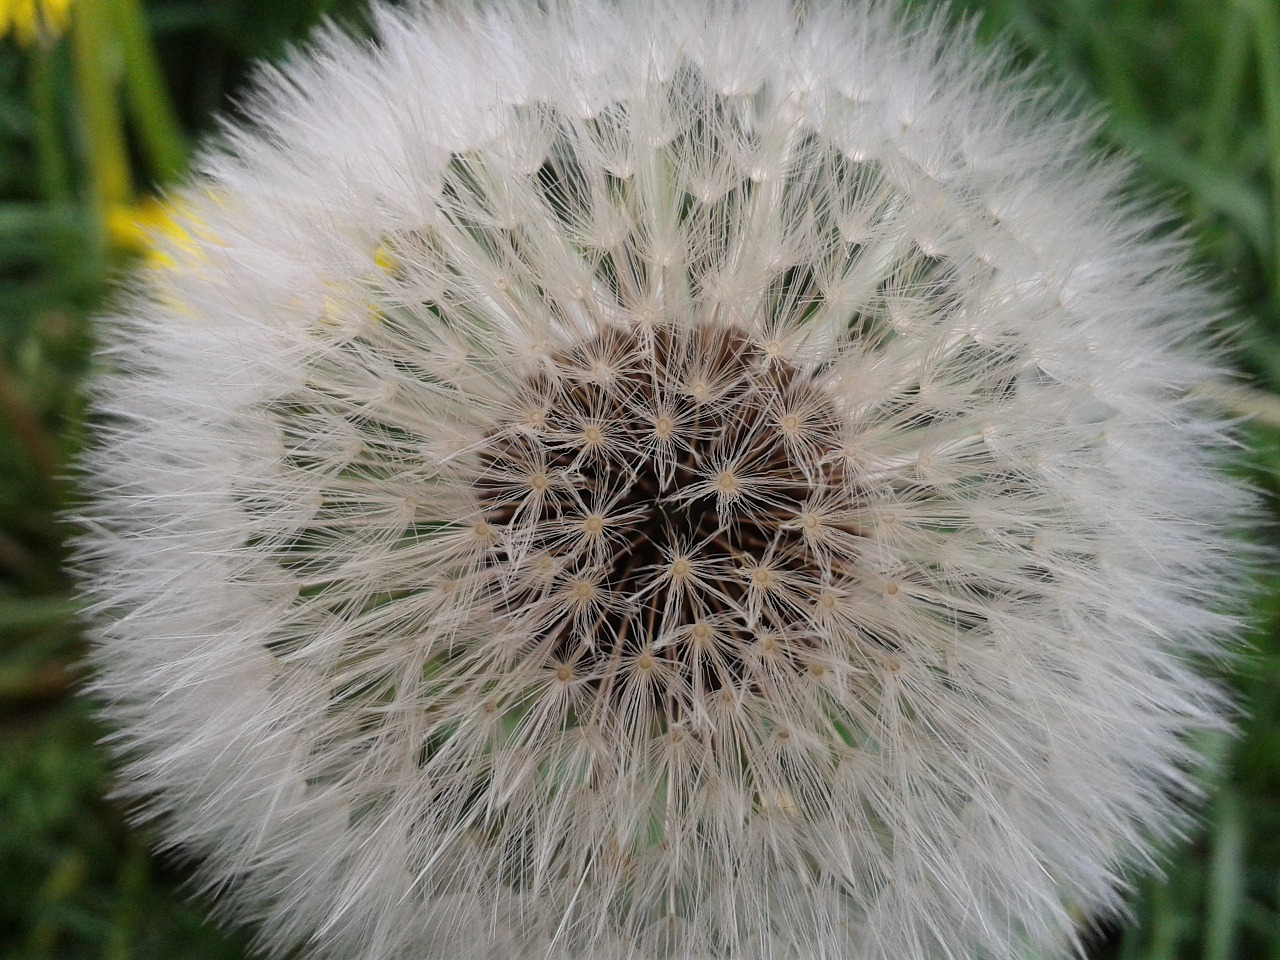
pixel 689 480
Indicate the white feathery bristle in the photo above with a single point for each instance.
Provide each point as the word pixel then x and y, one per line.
pixel 634 480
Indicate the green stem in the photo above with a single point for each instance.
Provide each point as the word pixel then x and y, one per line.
pixel 22 423
pixel 1112 61
pixel 148 99
pixel 105 155
pixel 51 158
pixel 1267 34
pixel 1225 879
pixel 1228 83
pixel 1165 921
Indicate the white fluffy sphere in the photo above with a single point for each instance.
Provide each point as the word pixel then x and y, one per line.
pixel 632 480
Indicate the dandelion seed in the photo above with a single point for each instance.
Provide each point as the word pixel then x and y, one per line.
pixel 713 482
pixel 726 483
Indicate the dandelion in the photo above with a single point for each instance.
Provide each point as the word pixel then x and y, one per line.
pixel 649 480
pixel 151 228
pixel 31 21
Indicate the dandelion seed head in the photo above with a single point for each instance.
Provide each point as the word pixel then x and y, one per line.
pixel 630 480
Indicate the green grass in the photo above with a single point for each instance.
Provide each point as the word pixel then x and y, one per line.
pixel 1192 89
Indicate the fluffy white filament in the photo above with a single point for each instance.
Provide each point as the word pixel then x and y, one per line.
pixel 634 480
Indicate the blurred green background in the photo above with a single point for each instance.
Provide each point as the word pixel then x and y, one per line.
pixel 100 104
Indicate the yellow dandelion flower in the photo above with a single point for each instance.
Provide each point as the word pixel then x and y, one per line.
pixel 31 21
pixel 152 227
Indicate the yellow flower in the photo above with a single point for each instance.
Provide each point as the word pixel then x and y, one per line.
pixel 150 227
pixel 34 20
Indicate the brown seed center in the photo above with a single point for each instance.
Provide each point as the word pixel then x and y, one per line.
pixel 673 508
